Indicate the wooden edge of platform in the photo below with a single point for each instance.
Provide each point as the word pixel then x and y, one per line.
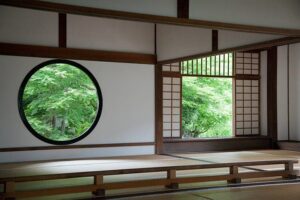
pixel 140 183
pixel 146 170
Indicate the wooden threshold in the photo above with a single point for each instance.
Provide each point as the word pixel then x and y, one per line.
pixel 171 146
pixel 39 148
pixel 249 47
pixel 73 53
pixel 88 11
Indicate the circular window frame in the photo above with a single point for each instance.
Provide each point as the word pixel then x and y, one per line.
pixel 22 113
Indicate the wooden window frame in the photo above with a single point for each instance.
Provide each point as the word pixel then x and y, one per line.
pixel 185 73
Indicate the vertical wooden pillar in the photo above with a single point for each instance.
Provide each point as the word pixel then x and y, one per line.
pixel 98 180
pixel 289 167
pixel 215 39
pixel 158 110
pixel 62 29
pixel 171 174
pixel 272 95
pixel 183 9
pixel 9 187
pixel 234 170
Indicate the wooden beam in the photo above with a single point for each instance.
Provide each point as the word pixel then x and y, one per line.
pixel 215 40
pixel 183 9
pixel 71 53
pixel 79 10
pixel 255 46
pixel 39 148
pixel 62 29
pixel 272 94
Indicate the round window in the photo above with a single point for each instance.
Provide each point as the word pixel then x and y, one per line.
pixel 60 101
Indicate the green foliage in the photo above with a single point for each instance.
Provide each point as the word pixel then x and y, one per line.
pixel 207 107
pixel 60 102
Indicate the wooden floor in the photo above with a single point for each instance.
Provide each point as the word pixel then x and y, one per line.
pixel 117 163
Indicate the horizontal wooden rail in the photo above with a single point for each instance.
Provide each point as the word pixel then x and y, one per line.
pixel 97 12
pixel 72 53
pixel 99 187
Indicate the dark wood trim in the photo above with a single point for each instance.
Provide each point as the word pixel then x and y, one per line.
pixel 215 145
pixel 158 110
pixel 62 29
pixel 272 94
pixel 71 53
pixel 85 146
pixel 88 11
pixel 183 9
pixel 215 40
pixel 247 77
pixel 256 46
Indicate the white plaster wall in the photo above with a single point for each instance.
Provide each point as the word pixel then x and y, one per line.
pixel 294 84
pixel 270 13
pixel 127 116
pixel 26 26
pixel 229 39
pixel 109 34
pixel 177 41
pixel 154 7
pixel 263 93
pixel 282 93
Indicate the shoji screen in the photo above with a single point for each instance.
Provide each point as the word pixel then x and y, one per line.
pixel 247 95
pixel 171 89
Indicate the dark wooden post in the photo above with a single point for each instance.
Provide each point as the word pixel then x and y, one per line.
pixel 272 95
pixel 183 9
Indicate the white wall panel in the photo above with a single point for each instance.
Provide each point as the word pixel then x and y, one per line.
pixel 282 93
pixel 154 7
pixel 294 83
pixel 26 26
pixel 109 34
pixel 177 41
pixel 263 93
pixel 229 39
pixel 270 13
pixel 128 110
pixel 74 153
